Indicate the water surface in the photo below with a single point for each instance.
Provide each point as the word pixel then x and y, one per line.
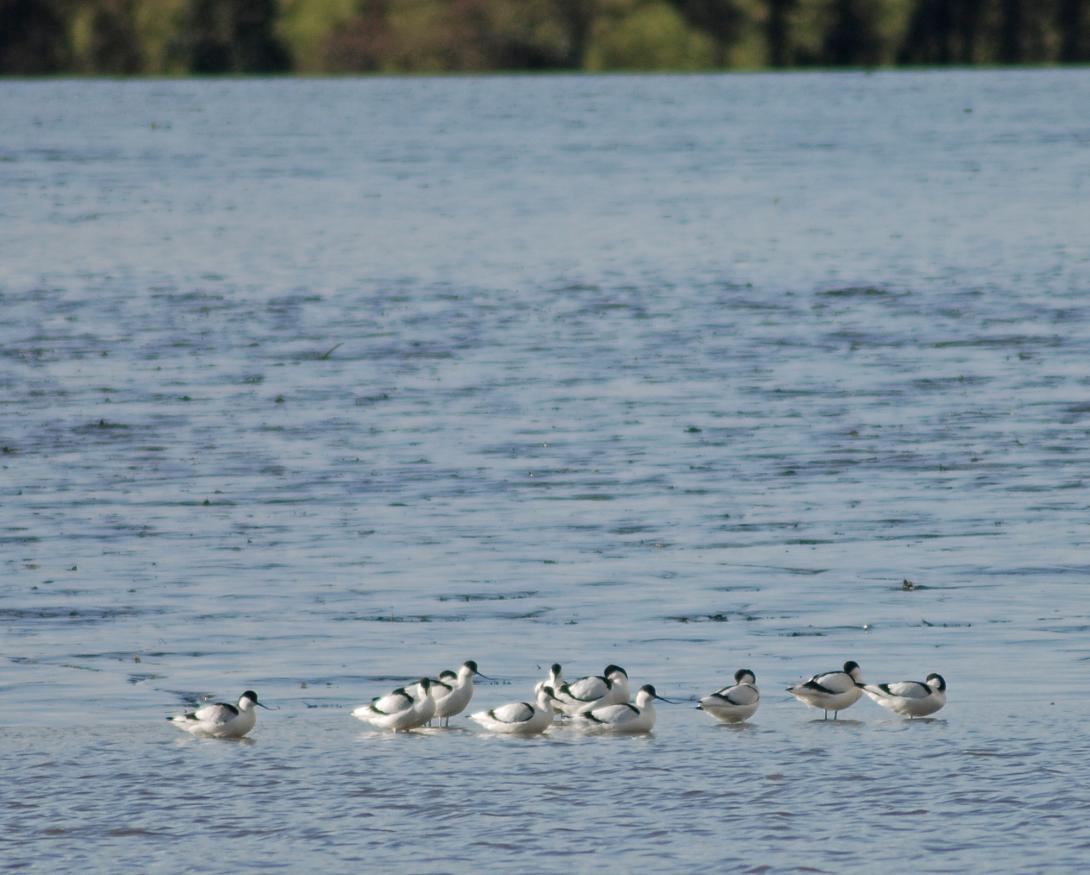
pixel 311 386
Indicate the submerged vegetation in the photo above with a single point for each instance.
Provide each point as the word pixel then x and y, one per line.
pixel 128 37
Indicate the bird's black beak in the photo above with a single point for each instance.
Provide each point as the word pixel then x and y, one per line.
pixel 664 699
pixel 486 677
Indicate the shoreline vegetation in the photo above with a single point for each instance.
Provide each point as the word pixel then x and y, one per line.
pixel 344 37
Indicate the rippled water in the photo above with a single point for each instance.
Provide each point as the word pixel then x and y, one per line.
pixel 312 386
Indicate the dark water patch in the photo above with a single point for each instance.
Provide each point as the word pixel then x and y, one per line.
pixel 115 655
pixel 791 633
pixel 862 292
pixel 719 617
pixel 936 536
pixel 758 527
pixel 518 615
pixel 948 625
pixel 102 426
pixel 398 618
pixel 1001 342
pixel 787 569
pixel 487 596
pixel 944 384
pixel 74 615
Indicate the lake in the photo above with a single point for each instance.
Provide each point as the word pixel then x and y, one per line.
pixel 314 386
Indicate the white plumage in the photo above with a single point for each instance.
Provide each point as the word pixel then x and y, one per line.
pixel 595 691
pixel 519 718
pixel 220 719
pixel 400 710
pixel 455 699
pixel 626 717
pixel 735 703
pixel 831 691
pixel 554 680
pixel 910 698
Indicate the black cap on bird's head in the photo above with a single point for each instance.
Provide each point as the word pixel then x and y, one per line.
pixel 649 690
pixel 252 696
pixel 940 682
pixel 472 666
pixel 745 676
pixel 614 669
pixel 555 668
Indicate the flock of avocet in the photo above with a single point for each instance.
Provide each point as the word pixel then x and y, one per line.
pixel 597 703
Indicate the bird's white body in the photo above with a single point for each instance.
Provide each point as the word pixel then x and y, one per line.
pixel 554 680
pixel 519 718
pixel 735 703
pixel 400 710
pixel 595 691
pixel 455 700
pixel 910 698
pixel 219 719
pixel 621 718
pixel 831 691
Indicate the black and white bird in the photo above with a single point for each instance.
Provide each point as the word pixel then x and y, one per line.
pixel 735 703
pixel 400 710
pixel 519 718
pixel 625 717
pixel 221 719
pixel 454 698
pixel 554 680
pixel 594 691
pixel 910 698
pixel 831 691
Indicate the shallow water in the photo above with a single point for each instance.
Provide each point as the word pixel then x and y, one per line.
pixel 312 386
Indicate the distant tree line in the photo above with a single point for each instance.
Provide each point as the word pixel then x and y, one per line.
pixel 132 37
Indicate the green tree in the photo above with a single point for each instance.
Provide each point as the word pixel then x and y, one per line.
pixel 778 32
pixel 114 45
pixel 942 32
pixel 721 20
pixel 579 17
pixel 852 37
pixel 1011 34
pixel 363 43
pixel 1072 25
pixel 233 36
pixel 34 36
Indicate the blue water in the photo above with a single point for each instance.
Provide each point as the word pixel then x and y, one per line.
pixel 315 386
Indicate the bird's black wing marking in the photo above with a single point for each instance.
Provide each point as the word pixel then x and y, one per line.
pixel 522 717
